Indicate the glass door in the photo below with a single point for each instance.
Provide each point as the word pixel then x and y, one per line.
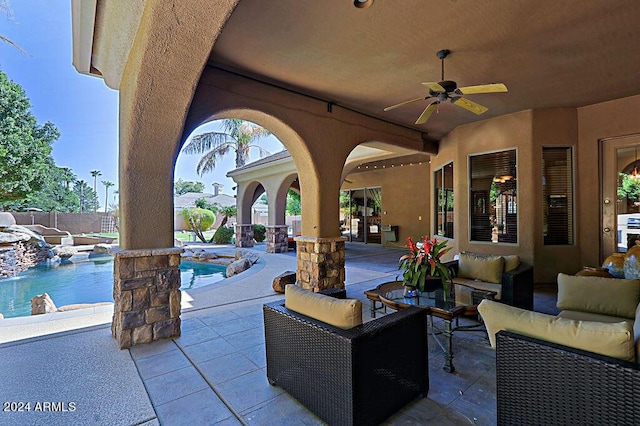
pixel 360 215
pixel 620 194
pixel 374 216
pixel 358 218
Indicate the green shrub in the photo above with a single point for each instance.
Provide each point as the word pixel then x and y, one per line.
pixel 259 232
pixel 223 235
pixel 199 220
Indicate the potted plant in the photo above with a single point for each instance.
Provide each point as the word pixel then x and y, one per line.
pixel 423 262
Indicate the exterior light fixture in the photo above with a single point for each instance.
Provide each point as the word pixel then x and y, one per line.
pixel 362 4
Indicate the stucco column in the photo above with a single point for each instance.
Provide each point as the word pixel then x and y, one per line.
pixel 160 73
pixel 277 239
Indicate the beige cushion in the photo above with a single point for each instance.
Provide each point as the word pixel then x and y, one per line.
pixel 590 316
pixel 607 296
pixel 483 268
pixel 611 339
pixel 343 313
pixel 511 262
pixel 480 285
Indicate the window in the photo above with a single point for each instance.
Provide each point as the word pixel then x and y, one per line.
pixel 443 182
pixel 493 197
pixel 557 193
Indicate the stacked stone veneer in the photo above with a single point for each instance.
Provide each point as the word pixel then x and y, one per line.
pixel 244 235
pixel 320 262
pixel 19 256
pixel 147 296
pixel 277 239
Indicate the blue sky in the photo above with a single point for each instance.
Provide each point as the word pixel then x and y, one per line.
pixel 82 107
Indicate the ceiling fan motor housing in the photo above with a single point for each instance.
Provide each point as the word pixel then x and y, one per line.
pixel 448 86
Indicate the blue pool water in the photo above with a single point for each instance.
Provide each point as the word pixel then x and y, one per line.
pixel 83 281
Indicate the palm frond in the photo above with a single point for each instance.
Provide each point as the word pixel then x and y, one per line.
pixel 6 40
pixel 208 161
pixel 206 141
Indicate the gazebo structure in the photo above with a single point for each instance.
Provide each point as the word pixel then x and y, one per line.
pixel 535 175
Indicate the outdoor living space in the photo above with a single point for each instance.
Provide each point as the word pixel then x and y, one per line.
pixel 214 373
pixel 528 169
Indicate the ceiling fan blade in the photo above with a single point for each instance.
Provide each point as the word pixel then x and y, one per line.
pixel 483 88
pixel 435 87
pixel 427 112
pixel 474 107
pixel 405 103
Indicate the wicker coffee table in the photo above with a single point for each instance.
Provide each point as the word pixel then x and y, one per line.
pixel 464 300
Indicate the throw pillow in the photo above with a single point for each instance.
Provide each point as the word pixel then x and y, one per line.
pixel 511 262
pixel 607 296
pixel 483 268
pixel 343 313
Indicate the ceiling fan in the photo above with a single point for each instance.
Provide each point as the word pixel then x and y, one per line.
pixel 449 91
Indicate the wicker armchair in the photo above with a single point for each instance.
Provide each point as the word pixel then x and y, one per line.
pixel 542 383
pixel 357 376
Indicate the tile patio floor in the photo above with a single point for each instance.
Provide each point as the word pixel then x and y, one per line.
pixel 215 373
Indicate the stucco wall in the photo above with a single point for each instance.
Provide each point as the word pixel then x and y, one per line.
pixel 497 134
pixel 74 223
pixel 553 127
pixel 528 132
pixel 405 198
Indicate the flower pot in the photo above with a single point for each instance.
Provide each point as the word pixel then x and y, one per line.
pixel 410 291
pixel 432 283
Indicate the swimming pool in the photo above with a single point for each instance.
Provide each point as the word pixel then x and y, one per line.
pixel 83 281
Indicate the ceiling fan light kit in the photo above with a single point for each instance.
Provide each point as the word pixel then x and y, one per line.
pixel 447 90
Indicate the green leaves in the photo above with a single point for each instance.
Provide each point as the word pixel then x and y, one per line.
pixel 628 187
pixel 181 187
pixel 423 260
pixel 199 220
pixel 25 147
pixel 238 135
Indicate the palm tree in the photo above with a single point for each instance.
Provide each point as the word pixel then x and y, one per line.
pixel 238 135
pixel 5 7
pixel 67 175
pixel 226 212
pixel 106 184
pixel 95 174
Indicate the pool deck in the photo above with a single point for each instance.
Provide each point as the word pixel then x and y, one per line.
pixel 215 372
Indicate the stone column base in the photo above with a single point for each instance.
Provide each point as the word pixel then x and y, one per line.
pixel 244 235
pixel 320 262
pixel 277 239
pixel 147 296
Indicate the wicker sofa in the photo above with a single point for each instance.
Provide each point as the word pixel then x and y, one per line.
pixel 360 375
pixel 543 383
pixel 509 278
pixel 579 367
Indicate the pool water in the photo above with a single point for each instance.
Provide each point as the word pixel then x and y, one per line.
pixel 83 281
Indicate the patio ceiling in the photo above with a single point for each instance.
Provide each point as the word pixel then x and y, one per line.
pixel 548 53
